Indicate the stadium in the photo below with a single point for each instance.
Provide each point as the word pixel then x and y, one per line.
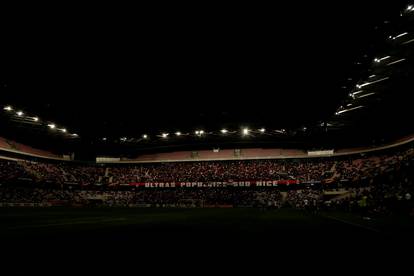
pixel 229 151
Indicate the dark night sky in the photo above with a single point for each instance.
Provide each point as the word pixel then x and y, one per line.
pixel 165 69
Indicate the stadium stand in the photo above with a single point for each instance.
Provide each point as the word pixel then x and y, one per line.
pixel 383 181
pixel 9 145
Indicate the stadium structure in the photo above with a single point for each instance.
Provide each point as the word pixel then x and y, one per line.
pixel 349 170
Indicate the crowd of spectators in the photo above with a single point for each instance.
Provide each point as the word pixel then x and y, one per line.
pixel 388 192
pixel 303 199
pixel 11 170
pixel 388 179
pixel 303 170
pixel 180 197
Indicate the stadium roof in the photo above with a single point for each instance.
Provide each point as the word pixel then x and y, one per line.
pixel 302 68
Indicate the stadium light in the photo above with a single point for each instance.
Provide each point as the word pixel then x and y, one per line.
pixel 381 59
pixel 245 131
pixel 366 95
pixel 356 93
pixel 262 130
pixel 178 133
pixel 19 113
pixel 52 126
pixel 397 61
pixel 145 136
pixel 376 81
pixel 347 110
pixel 8 108
pixel 408 41
pixel 400 35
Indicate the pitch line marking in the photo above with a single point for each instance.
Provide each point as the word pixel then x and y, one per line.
pixel 354 224
pixel 64 223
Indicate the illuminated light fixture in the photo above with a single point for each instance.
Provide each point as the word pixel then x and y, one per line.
pixel 262 130
pixel 36 119
pixel 19 113
pixel 164 135
pixel 245 131
pixel 8 108
pixel 347 110
pixel 410 8
pixel 372 76
pixel 356 93
pixel 400 35
pixel 178 133
pixel 372 82
pixel 75 135
pixel 199 132
pixel 397 61
pixel 381 59
pixel 145 136
pixel 409 41
pixel 104 139
pixel 63 130
pixel 123 139
pixel 52 126
pixel 366 95
pixel 224 131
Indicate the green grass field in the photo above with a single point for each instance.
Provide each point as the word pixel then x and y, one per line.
pixel 153 237
pixel 210 238
pixel 97 224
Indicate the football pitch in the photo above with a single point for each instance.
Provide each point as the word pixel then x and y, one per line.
pixel 153 226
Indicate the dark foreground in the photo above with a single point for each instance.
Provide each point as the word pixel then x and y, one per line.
pixel 187 233
pixel 137 225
